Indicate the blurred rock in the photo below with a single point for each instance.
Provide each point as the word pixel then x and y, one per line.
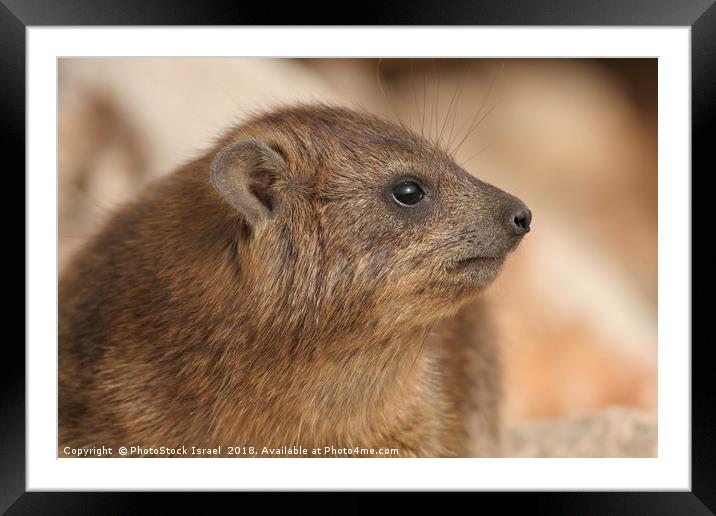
pixel 616 432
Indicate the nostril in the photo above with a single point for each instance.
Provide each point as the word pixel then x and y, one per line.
pixel 521 221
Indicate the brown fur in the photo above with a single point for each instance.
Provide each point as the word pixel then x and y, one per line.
pixel 341 320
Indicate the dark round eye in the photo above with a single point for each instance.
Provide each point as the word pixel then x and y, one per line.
pixel 408 193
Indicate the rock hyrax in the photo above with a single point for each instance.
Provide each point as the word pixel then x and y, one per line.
pixel 309 281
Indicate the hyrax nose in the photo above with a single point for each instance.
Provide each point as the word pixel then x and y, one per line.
pixel 519 219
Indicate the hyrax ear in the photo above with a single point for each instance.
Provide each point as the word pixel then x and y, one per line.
pixel 244 174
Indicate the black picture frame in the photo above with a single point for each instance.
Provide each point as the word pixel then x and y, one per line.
pixel 17 15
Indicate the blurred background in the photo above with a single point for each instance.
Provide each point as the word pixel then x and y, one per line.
pixel 576 305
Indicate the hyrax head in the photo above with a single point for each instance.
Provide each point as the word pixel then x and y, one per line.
pixel 359 219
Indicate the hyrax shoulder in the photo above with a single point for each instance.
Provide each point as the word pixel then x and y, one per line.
pixel 309 281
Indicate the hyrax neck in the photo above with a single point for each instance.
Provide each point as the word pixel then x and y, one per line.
pixel 347 389
pixel 376 388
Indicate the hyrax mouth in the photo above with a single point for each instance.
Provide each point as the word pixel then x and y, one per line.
pixel 478 262
pixel 473 273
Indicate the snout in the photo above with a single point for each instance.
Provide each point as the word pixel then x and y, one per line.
pixel 498 220
pixel 518 219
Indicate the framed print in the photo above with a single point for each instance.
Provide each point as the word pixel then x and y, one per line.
pixel 443 250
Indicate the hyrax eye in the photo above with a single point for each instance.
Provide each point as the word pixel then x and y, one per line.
pixel 408 193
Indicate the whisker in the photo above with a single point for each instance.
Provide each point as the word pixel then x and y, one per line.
pixel 478 119
pixel 454 118
pixel 447 116
pixel 385 96
pixel 483 149
pixel 417 107
pixel 437 97
pixel 487 113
